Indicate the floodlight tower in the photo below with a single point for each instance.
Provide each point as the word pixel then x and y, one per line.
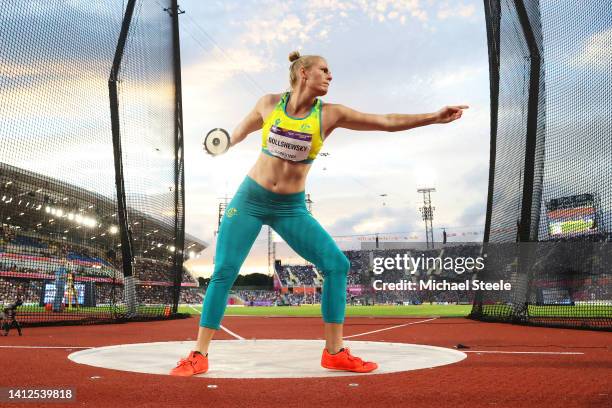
pixel 271 251
pixel 427 212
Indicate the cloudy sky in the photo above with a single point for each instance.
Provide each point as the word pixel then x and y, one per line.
pixel 385 57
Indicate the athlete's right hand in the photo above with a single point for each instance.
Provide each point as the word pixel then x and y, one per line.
pixel 450 113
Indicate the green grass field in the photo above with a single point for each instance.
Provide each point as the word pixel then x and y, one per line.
pixel 93 310
pixel 426 310
pixel 353 311
pixel 577 311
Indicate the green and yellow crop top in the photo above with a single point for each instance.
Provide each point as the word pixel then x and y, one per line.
pixel 294 139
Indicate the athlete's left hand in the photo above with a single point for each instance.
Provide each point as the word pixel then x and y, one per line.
pixel 450 113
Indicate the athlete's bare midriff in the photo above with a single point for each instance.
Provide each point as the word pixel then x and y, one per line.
pixel 278 175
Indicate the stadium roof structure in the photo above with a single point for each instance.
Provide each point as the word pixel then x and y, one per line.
pixel 48 207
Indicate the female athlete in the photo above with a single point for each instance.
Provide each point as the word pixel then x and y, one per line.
pixel 294 126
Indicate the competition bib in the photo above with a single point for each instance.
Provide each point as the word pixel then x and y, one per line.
pixel 289 144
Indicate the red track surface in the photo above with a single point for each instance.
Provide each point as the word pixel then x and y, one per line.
pixel 481 380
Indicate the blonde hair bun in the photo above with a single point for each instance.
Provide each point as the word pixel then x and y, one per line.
pixel 298 62
pixel 294 56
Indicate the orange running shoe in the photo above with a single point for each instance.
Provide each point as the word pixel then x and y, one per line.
pixel 195 363
pixel 345 361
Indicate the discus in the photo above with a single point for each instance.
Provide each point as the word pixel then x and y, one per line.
pixel 216 142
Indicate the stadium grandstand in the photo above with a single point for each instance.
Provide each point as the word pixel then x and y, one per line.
pixel 47 224
pixel 299 284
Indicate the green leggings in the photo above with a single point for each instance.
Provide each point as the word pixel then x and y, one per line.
pixel 251 208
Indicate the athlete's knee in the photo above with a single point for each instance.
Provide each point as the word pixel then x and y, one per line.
pixel 344 263
pixel 225 273
pixel 336 263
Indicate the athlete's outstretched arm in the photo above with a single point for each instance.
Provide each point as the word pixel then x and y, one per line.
pixel 344 117
pixel 252 122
